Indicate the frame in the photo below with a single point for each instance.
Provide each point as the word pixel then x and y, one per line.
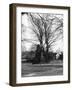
pixel 39 44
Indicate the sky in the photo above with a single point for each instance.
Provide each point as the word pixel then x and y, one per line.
pixel 27 33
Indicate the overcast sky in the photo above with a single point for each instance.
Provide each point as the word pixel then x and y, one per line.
pixel 28 34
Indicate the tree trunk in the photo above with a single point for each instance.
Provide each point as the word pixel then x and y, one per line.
pixel 46 42
pixel 41 53
pixel 47 51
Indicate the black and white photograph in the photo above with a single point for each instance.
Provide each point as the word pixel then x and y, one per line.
pixel 41 44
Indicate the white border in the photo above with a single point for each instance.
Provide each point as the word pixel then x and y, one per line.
pixel 20 79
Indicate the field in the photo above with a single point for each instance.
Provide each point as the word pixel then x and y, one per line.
pixel 50 69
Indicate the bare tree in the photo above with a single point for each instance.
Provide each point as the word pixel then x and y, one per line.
pixel 51 36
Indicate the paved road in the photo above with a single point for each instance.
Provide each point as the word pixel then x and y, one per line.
pixel 41 69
